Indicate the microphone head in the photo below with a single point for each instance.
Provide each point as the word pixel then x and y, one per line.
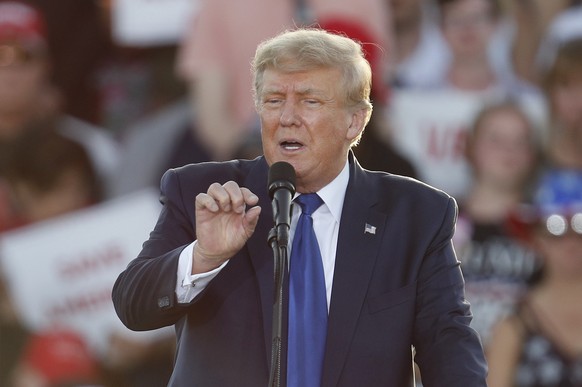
pixel 281 175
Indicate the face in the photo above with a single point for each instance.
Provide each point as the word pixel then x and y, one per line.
pixel 22 75
pixel 305 122
pixel 405 11
pixel 467 26
pixel 567 104
pixel 502 149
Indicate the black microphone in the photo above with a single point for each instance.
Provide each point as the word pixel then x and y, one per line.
pixel 281 191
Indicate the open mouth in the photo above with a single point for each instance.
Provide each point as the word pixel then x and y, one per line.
pixel 291 145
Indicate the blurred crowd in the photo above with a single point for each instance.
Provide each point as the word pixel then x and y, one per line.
pixel 480 98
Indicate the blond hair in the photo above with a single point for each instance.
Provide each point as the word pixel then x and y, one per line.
pixel 311 48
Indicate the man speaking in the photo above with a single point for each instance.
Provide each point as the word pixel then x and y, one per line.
pixel 372 277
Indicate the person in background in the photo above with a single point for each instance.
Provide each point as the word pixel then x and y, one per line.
pixel 540 343
pixel 76 42
pixel 565 26
pixel 29 97
pixel 389 277
pixel 429 125
pixel 503 152
pixel 562 84
pixel 469 28
pixel 420 53
pixel 48 175
pixel 52 165
pixel 534 45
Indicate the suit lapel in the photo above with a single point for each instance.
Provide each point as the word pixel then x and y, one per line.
pixel 357 251
pixel 359 238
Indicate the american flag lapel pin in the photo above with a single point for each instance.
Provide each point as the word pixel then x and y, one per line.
pixel 369 229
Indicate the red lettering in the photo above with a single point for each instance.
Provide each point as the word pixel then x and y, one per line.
pixel 89 262
pixel 459 142
pixel 79 304
pixel 444 143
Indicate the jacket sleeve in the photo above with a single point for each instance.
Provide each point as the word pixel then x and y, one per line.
pixel 448 350
pixel 144 293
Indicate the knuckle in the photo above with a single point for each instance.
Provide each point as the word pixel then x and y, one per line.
pixel 214 187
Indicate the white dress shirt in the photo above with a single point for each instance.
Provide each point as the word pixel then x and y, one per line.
pixel 326 222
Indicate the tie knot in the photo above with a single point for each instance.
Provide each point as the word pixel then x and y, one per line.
pixel 309 202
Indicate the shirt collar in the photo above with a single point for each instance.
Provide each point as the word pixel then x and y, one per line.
pixel 334 193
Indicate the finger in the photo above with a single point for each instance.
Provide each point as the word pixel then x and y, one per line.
pixel 221 196
pixel 205 201
pixel 249 197
pixel 236 196
pixel 251 218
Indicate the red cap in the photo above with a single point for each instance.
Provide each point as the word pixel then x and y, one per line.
pixel 22 24
pixel 60 356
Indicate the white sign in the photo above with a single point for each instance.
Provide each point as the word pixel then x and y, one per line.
pixel 151 22
pixel 61 272
pixel 430 128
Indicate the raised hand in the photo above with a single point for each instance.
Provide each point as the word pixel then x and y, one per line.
pixel 223 224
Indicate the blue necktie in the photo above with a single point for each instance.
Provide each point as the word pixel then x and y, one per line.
pixel 307 301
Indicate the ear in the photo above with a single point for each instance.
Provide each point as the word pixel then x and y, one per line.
pixel 356 124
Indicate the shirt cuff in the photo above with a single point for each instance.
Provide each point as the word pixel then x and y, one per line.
pixel 190 285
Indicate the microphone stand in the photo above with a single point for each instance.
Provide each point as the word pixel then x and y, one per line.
pixel 280 265
pixel 281 186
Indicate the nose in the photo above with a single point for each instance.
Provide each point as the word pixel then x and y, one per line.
pixel 289 114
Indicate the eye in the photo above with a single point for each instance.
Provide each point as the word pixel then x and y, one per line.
pixel 272 101
pixel 311 101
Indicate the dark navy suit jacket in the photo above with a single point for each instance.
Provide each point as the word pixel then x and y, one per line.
pixel 396 288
